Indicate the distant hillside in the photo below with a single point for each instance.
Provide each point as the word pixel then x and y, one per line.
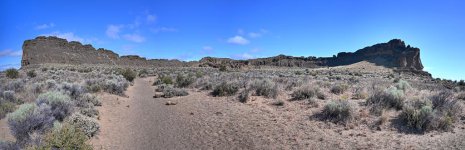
pixel 393 54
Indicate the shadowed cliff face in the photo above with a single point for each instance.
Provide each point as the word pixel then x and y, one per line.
pixel 42 50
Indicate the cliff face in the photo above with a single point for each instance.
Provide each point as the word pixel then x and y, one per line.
pixel 394 54
pixel 55 50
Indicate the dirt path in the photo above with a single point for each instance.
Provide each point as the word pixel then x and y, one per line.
pixel 142 122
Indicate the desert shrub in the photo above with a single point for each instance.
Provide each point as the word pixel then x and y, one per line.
pixel 390 98
pixel 338 112
pixel 403 85
pixel 461 96
pixel 37 88
pixel 304 92
pixel 12 73
pixel 204 83
pixel 360 93
pixel 65 137
pixel 441 99
pixel 15 85
pixel 31 73
pixel 9 96
pixel 430 115
pixel 29 118
pixel 165 80
pixel 89 111
pixel 339 88
pixel 51 83
pixel 243 96
pixel 225 89
pixel 264 87
pixel 61 105
pixel 73 90
pixel 223 68
pixel 115 86
pixel 161 87
pixel 88 125
pixel 184 81
pixel 143 73
pixel 93 85
pixel 416 117
pixel 5 108
pixel 170 92
pixel 89 98
pixel 129 75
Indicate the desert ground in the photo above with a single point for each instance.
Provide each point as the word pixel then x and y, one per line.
pixel 359 106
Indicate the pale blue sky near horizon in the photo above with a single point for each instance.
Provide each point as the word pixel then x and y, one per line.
pixel 242 29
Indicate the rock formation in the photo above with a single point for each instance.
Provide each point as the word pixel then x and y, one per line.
pixel 42 50
pixel 51 49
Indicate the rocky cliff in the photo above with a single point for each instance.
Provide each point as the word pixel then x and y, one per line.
pixel 56 50
pixel 394 54
pixel 42 50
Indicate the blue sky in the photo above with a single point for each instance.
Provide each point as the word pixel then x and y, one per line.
pixel 241 29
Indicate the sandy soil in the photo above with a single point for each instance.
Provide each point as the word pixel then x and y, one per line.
pixel 200 121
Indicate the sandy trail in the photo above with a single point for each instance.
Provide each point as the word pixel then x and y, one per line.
pixel 142 122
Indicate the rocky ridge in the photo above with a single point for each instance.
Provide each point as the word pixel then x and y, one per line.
pixel 41 50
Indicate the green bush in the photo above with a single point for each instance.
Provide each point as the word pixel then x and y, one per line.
pixel 12 73
pixel 225 89
pixel 129 74
pixel 166 80
pixel 65 137
pixel 338 112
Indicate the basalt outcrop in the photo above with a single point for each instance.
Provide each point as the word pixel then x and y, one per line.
pixel 41 50
pixel 394 54
pixel 44 50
